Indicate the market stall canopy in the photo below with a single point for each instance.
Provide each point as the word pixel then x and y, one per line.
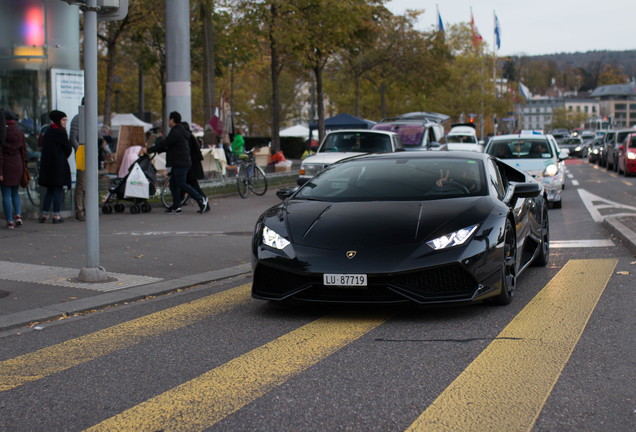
pixel 298 131
pixel 127 120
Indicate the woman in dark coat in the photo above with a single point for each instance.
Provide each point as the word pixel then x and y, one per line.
pixel 55 172
pixel 195 173
pixel 12 162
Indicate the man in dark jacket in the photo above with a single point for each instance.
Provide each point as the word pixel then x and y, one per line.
pixel 178 160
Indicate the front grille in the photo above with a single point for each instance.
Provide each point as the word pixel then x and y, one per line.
pixel 447 283
pixel 274 283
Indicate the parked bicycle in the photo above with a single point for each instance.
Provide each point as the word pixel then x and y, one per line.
pixel 250 177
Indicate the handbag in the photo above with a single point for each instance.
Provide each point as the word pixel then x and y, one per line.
pixel 26 176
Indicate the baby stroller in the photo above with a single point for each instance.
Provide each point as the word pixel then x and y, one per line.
pixel 117 190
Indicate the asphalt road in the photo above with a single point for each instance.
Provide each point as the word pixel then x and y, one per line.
pixel 560 357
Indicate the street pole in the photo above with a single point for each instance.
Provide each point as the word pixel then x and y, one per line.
pixel 92 272
pixel 178 84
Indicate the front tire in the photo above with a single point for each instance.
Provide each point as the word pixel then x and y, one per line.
pixel 544 248
pixel 509 267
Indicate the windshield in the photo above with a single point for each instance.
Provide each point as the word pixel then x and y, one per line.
pixel 402 179
pixel 521 149
pixel 360 142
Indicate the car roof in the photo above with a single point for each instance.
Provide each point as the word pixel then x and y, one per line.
pixel 518 136
pixel 372 131
pixel 458 154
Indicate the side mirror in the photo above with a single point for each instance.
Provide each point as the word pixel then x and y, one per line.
pixel 434 144
pixel 286 192
pixel 563 155
pixel 526 190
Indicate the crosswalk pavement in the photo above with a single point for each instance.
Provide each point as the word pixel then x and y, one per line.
pixel 529 354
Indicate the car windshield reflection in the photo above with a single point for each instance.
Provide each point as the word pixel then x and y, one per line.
pixel 397 180
pixel 521 149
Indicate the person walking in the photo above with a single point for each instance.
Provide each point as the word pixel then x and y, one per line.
pixel 195 173
pixel 80 177
pixel 55 172
pixel 12 163
pixel 176 146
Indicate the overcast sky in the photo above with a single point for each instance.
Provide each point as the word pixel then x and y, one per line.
pixel 533 27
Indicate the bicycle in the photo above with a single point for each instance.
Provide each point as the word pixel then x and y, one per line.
pixel 250 177
pixel 33 188
pixel 166 195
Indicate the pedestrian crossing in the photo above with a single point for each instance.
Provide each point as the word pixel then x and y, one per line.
pixel 528 354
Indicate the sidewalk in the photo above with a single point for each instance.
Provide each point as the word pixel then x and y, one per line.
pixel 144 255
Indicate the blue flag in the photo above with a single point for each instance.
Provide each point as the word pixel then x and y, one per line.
pixel 497 33
pixel 440 24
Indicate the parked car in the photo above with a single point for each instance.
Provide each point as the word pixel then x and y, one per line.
pixel 609 136
pixel 594 150
pixel 415 134
pixel 627 155
pixel 462 136
pixel 538 155
pixel 611 148
pixel 421 227
pixel 341 144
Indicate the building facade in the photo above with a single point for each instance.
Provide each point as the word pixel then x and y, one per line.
pixel 617 102
pixel 536 114
pixel 39 61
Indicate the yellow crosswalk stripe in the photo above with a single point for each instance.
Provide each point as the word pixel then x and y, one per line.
pixel 203 401
pixel 506 386
pixel 47 361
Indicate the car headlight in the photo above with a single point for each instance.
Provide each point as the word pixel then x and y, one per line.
pixel 551 170
pixel 274 240
pixel 456 238
pixel 310 169
pixel 578 149
pixel 631 155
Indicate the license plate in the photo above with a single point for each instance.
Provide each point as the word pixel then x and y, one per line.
pixel 344 279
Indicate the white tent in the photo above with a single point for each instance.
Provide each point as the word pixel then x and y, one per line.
pixel 298 131
pixel 126 120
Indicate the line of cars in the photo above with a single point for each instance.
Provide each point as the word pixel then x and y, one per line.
pixel 377 220
pixel 616 151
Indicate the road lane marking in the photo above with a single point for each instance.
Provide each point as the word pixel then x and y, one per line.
pixel 506 386
pixel 57 358
pixel 628 183
pixel 560 244
pixel 589 199
pixel 200 403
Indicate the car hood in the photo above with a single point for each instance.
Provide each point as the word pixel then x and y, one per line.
pixel 329 157
pixel 379 225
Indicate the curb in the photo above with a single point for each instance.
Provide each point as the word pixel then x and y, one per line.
pixel 24 318
pixel 620 230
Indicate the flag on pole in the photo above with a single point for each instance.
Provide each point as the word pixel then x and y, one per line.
pixel 440 24
pixel 497 33
pixel 476 36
